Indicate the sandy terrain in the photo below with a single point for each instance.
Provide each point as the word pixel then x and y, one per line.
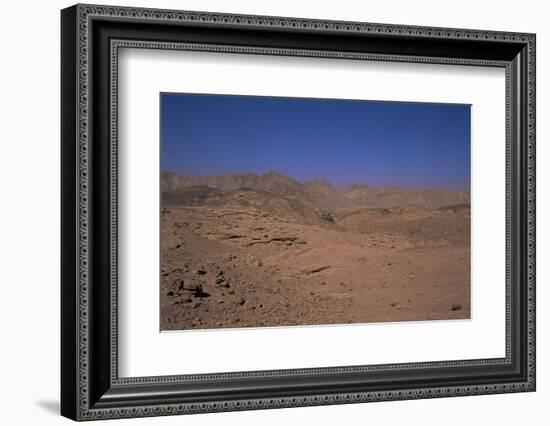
pixel 249 257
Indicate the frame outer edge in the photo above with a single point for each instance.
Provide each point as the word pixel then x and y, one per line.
pixel 69 221
pixel 531 196
pixel 83 197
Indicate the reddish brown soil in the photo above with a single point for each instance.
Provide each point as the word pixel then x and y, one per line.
pixel 241 266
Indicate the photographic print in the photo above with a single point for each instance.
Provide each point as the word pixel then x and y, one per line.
pixel 297 211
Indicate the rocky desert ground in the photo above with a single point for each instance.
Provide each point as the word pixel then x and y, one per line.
pixel 242 250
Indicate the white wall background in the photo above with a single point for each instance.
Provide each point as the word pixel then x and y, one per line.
pixel 29 225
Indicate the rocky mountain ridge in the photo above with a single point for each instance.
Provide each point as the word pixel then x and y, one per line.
pixel 319 193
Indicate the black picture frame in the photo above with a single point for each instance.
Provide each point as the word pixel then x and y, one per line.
pixel 90 386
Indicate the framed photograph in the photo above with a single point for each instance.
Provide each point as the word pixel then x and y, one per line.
pixel 263 212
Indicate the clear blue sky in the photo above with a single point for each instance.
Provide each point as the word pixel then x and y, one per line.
pixel 382 144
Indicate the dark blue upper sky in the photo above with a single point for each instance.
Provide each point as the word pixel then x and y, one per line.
pixel 382 144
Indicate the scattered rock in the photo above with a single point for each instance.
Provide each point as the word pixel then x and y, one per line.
pixel 456 307
pixel 198 291
pixel 170 293
pixel 195 287
pixel 327 216
pixel 283 239
pixel 259 264
pixel 201 271
pixel 242 301
pixel 315 269
pixel 233 236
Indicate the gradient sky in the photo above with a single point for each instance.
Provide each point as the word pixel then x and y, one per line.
pixel 382 144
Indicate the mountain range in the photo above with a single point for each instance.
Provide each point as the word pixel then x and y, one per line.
pixel 318 194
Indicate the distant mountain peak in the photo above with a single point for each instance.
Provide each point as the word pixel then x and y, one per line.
pixel 274 174
pixel 356 186
pixel 321 181
pixel 319 192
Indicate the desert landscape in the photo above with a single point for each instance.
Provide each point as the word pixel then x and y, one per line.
pixel 248 250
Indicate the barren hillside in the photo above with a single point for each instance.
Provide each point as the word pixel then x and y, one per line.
pixel 243 250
